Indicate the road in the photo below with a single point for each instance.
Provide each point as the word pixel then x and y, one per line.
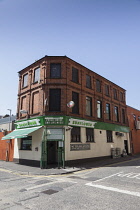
pixel 115 187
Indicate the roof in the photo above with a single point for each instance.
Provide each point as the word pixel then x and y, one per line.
pixel 73 61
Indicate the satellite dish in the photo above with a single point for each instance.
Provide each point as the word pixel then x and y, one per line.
pixel 70 104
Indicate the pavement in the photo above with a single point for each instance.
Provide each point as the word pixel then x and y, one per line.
pixel 16 168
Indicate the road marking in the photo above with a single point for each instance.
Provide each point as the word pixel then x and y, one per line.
pixel 114 189
pixel 138 167
pixel 107 177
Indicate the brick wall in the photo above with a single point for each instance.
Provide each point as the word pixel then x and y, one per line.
pixel 6 149
pixel 133 115
pixel 66 85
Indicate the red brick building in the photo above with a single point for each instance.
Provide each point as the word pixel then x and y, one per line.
pixel 97 122
pixel 134 124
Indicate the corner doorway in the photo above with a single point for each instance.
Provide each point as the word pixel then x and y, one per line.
pixel 126 146
pixel 52 152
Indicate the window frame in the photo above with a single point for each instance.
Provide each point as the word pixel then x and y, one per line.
pixel 107 90
pixel 108 111
pixel 109 136
pixel 55 74
pixel 36 75
pixel 116 112
pixel 22 143
pixel 90 135
pixel 75 75
pixel 123 116
pixel 88 106
pixel 75 98
pixel 98 85
pixel 25 82
pixel 88 81
pixel 99 109
pixel 76 134
pixel 115 95
pixel 52 97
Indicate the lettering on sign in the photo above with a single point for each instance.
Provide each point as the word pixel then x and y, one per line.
pixel 54 121
pixel 28 123
pixel 81 123
pixel 77 147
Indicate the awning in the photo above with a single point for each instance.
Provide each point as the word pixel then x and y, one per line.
pixel 20 133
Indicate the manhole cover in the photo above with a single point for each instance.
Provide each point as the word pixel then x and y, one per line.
pixel 49 192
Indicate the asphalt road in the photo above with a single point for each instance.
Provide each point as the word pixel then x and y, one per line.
pixel 115 187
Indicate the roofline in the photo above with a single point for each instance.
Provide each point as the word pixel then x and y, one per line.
pixel 133 108
pixel 64 56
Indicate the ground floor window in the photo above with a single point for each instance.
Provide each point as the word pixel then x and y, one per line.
pixel 26 143
pixel 89 134
pixel 75 134
pixel 109 136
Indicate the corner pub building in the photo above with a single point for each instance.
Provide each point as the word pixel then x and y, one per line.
pixel 49 132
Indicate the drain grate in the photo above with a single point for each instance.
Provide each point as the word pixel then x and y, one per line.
pixel 50 192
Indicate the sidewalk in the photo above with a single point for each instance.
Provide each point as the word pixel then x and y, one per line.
pixel 29 170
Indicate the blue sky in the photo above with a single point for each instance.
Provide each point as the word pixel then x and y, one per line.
pixel 103 35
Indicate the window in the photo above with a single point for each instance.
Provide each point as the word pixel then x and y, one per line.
pixel 55 100
pixel 23 105
pixel 25 80
pixel 115 93
pixel 106 90
pixel 109 136
pixel 35 108
pixel 88 106
pixel 75 77
pixel 121 96
pixel 88 81
pixel 89 134
pixel 116 114
pixel 37 75
pixel 108 111
pixel 123 116
pixel 75 134
pixel 75 98
pixel 26 143
pixel 98 86
pixel 55 70
pixel 99 109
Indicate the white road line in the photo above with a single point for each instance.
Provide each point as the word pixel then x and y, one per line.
pixel 108 177
pixel 138 167
pixel 115 189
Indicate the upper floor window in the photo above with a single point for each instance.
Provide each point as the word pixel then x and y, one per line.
pixel 37 75
pixel 75 98
pixel 88 106
pixel 25 80
pixel 55 100
pixel 123 115
pixel 88 81
pixel 116 114
pixel 115 93
pixel 138 118
pixel 106 90
pixel 75 77
pixel 89 134
pixel 108 111
pixel 109 136
pixel 55 70
pixel 98 85
pixel 75 134
pixel 121 96
pixel 99 109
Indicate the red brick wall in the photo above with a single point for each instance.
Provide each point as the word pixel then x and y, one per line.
pixel 67 86
pixel 134 133
pixel 6 149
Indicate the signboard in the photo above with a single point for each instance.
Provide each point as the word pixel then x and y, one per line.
pixel 81 123
pixel 28 123
pixel 78 147
pixel 54 120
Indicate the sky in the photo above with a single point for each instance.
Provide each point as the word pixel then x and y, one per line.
pixel 103 35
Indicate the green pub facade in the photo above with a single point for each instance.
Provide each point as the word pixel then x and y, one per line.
pixel 47 140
